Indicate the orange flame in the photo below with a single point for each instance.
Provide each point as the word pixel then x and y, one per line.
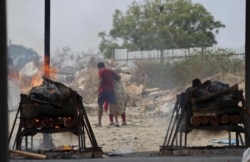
pixel 67 147
pixel 36 80
pixel 47 71
pixel 26 82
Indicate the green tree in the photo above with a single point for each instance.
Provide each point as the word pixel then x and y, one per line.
pixel 154 24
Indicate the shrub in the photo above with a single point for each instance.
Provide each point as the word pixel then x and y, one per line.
pixel 180 73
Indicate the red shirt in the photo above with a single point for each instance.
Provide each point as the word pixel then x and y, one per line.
pixel 106 75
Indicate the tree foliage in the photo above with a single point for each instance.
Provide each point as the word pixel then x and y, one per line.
pixel 154 24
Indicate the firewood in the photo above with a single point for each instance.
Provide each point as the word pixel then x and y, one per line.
pixel 224 119
pixel 234 119
pixel 214 95
pixel 32 110
pixel 195 120
pixel 205 120
pixel 48 122
pixel 58 122
pixel 38 124
pixel 69 122
pixel 215 105
pixel 214 121
pixel 218 112
pixel 29 154
pixel 29 123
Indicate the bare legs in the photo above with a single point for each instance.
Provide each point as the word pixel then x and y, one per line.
pixel 115 113
pixel 99 112
pixel 123 115
pixel 112 110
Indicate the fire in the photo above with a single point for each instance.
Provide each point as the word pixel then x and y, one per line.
pixel 36 80
pixel 48 71
pixel 31 75
pixel 67 147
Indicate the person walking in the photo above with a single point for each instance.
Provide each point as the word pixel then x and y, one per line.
pixel 106 91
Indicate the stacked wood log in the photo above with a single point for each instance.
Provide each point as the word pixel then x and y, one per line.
pixel 50 105
pixel 214 108
pixel 39 123
pixel 215 120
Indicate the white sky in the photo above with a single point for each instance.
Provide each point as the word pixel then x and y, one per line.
pixel 76 23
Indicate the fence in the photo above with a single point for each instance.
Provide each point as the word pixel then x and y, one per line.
pixel 125 57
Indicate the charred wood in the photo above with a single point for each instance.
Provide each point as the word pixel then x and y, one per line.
pixel 205 120
pixel 224 119
pixel 212 96
pixel 214 121
pixel 195 120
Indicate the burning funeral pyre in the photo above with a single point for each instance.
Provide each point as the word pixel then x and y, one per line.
pixel 53 107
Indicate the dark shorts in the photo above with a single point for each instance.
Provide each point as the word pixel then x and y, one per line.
pixel 106 95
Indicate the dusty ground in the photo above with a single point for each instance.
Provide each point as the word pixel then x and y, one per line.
pixel 143 133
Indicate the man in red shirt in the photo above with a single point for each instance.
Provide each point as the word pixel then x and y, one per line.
pixel 106 91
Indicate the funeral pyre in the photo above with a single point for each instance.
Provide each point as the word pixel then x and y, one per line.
pixel 50 108
pixel 211 106
pixel 214 103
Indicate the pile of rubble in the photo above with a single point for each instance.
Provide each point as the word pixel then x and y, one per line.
pixel 152 101
pixel 148 101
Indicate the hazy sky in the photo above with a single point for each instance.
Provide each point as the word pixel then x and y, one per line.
pixel 76 23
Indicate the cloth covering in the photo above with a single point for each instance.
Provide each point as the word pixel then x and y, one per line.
pixel 120 96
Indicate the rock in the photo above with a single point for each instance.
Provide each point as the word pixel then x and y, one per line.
pixel 140 90
pixel 131 89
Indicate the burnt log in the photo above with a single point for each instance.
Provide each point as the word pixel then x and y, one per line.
pixel 218 112
pixel 68 122
pixel 32 110
pixel 29 123
pixel 35 110
pixel 213 95
pixel 58 122
pixel 195 120
pixel 38 124
pixel 205 120
pixel 234 119
pixel 214 121
pixel 224 119
pixel 215 105
pixel 48 122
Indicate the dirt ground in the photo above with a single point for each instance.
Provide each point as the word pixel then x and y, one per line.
pixel 143 133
